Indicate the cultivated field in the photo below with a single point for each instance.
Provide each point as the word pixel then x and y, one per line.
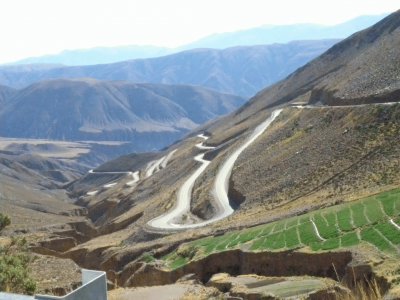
pixel 374 220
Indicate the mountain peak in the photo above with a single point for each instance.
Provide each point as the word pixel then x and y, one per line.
pixel 370 34
pixel 363 68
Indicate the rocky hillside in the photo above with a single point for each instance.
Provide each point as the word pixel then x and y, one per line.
pixel 315 179
pixel 39 170
pixel 240 70
pixel 310 157
pixel 147 116
pixel 363 68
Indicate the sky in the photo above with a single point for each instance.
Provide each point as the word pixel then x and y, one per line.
pixel 37 27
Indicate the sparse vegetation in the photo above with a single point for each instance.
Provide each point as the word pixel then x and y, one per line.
pixel 4 221
pixel 14 276
pixel 368 290
pixel 14 260
pixel 147 257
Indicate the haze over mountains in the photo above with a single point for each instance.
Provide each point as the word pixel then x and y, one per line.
pixel 262 35
pixel 239 70
pixel 320 176
pixel 147 115
pixel 269 34
pixel 5 94
pixel 303 176
pixel 363 68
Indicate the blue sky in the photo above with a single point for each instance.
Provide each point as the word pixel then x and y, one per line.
pixel 37 27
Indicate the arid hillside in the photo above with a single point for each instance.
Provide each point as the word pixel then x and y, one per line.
pixel 363 68
pixel 313 162
pixel 107 119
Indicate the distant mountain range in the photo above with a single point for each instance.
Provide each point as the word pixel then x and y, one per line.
pixel 5 94
pixel 147 116
pixel 267 34
pixel 363 68
pixel 270 34
pixel 98 55
pixel 318 173
pixel 312 164
pixel 239 70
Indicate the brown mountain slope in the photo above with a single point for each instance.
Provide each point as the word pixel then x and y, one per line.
pixel 308 158
pixel 143 117
pixel 363 68
pixel 99 110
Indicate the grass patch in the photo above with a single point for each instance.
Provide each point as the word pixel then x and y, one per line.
pixel 344 219
pixel 279 241
pixel 374 211
pixel 338 225
pixel 349 239
pixel 291 222
pixel 372 236
pixel 389 203
pixel 280 226
pixel 390 232
pixel 258 244
pixel 359 218
pixel 325 230
pixel 307 234
pixel 291 238
pixel 222 246
pixel 249 236
pixel 330 244
pixel 178 262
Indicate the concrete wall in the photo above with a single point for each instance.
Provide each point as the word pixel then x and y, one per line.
pixel 94 286
pixel 8 296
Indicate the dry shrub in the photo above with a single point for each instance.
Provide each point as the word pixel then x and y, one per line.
pixel 367 290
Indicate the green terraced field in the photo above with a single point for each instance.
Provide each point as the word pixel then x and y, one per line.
pixel 346 225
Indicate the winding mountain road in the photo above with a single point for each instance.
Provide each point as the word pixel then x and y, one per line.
pixel 221 185
pixel 152 168
pixel 156 165
pixel 136 178
pixel 171 219
pixel 108 185
pixel 182 207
